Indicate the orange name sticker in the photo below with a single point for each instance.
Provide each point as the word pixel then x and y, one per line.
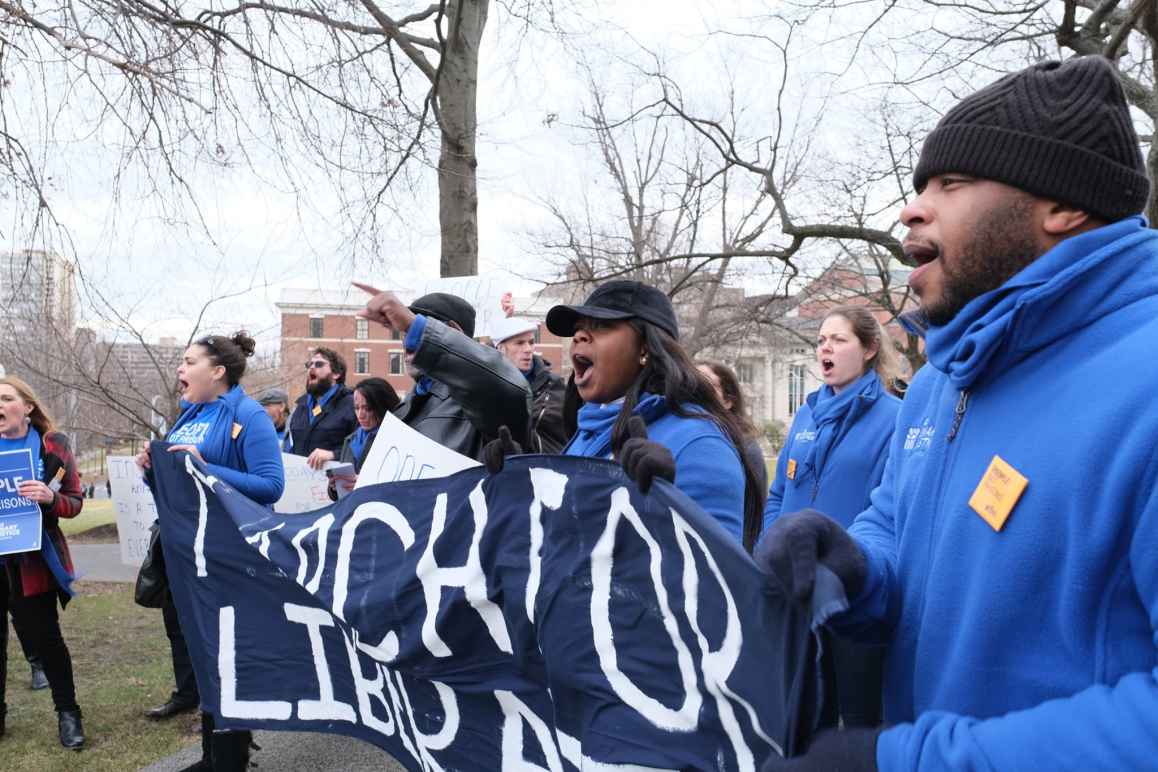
pixel 317 410
pixel 997 493
pixel 791 469
pixel 236 431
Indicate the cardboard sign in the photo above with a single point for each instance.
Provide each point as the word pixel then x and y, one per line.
pixel 305 488
pixel 133 503
pixel 19 516
pixel 484 292
pixel 400 453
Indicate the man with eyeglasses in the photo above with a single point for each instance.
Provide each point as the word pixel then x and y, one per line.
pixel 324 415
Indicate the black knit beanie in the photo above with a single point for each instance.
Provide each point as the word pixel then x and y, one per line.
pixel 1061 131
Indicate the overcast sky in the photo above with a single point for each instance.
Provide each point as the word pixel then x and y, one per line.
pixel 261 237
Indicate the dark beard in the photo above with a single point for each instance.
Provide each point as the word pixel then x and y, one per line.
pixel 320 387
pixel 1002 245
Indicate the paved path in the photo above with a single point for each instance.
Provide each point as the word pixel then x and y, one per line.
pixel 100 563
pixel 299 752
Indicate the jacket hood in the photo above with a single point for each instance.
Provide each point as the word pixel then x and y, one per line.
pixel 1070 287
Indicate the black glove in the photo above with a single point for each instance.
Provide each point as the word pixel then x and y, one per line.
pixel 644 460
pixel 796 543
pixel 848 750
pixel 496 451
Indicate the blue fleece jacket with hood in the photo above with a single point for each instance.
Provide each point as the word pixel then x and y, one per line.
pixel 835 453
pixel 242 447
pixel 1034 646
pixel 708 467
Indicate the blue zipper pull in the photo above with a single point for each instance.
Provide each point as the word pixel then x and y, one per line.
pixel 958 414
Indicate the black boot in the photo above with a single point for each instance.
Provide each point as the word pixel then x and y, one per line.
pixel 230 751
pixel 204 764
pixel 71 730
pixel 39 679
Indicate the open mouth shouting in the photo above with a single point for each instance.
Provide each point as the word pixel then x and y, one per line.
pixel 827 366
pixel 924 254
pixel 583 368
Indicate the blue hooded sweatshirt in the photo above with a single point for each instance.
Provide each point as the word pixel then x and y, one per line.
pixel 240 446
pixel 708 468
pixel 835 453
pixel 1032 646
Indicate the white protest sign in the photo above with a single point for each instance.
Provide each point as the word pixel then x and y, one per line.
pixel 484 292
pixel 400 453
pixel 134 506
pixel 305 488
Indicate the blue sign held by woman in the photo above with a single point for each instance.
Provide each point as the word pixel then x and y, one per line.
pixel 19 516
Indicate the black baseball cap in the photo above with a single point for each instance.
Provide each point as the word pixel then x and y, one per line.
pixel 618 299
pixel 446 308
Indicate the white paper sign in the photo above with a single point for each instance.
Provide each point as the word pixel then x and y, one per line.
pixel 400 453
pixel 484 292
pixel 305 488
pixel 133 502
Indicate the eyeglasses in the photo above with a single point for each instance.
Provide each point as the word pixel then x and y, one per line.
pixel 316 364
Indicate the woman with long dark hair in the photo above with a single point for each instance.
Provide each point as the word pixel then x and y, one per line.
pixel 234 437
pixel 628 368
pixel 833 458
pixel 31 583
pixel 373 399
pixel 727 386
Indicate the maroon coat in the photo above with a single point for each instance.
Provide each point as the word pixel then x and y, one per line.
pixel 28 574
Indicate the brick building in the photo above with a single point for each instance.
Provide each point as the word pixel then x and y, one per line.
pixel 312 318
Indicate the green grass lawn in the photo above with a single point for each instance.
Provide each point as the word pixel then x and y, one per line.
pixel 96 512
pixel 121 660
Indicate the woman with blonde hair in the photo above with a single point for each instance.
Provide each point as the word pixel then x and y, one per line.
pixel 832 460
pixel 31 583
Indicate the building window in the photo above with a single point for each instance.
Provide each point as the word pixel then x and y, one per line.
pixel 394 335
pixel 538 335
pixel 361 362
pixel 361 329
pixel 746 372
pixel 795 388
pixel 396 363
pixel 316 326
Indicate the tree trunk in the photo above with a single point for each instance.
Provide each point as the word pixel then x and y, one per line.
pixel 457 161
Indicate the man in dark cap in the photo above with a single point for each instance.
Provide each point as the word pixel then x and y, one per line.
pixel 276 404
pixel 1008 556
pixel 463 391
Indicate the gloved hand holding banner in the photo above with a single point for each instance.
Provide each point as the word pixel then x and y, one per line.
pixel 548 617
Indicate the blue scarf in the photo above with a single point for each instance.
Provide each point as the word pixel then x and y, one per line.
pixel 834 414
pixel 596 422
pixel 48 552
pixel 216 445
pixel 1082 278
pixel 311 403
pixel 422 386
pixel 359 440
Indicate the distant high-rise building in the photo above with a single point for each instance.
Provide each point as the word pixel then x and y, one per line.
pixel 37 290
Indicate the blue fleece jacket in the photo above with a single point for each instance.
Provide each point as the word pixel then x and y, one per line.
pixel 1034 646
pixel 708 468
pixel 249 461
pixel 835 453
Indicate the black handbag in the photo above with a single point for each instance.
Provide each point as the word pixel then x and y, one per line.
pixel 152 584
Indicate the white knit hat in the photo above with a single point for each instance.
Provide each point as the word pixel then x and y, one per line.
pixel 509 327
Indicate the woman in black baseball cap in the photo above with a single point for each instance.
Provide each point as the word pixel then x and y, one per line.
pixel 630 371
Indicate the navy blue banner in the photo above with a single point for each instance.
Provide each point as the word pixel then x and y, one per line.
pixel 549 617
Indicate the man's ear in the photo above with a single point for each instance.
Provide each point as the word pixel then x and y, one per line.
pixel 454 325
pixel 1063 220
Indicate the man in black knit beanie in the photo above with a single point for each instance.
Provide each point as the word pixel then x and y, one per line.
pixel 1008 556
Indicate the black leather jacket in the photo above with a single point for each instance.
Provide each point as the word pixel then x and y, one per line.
pixel 475 390
pixel 547 434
